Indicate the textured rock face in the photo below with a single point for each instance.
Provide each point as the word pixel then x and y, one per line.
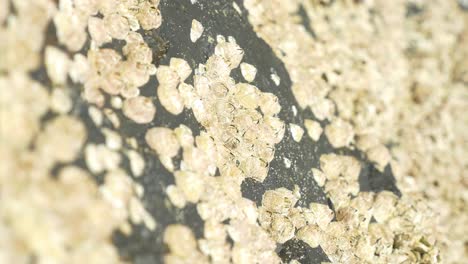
pixel 233 131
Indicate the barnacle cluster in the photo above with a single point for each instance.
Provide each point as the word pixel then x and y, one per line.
pixel 241 129
pixel 53 209
pixel 385 78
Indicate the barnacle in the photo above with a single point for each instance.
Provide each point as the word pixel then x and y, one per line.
pixel 248 71
pixel 196 31
pixel 340 133
pixel 140 109
pixel 314 130
pixel 296 132
pixel 163 141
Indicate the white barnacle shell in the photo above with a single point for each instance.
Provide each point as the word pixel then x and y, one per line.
pixel 196 31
